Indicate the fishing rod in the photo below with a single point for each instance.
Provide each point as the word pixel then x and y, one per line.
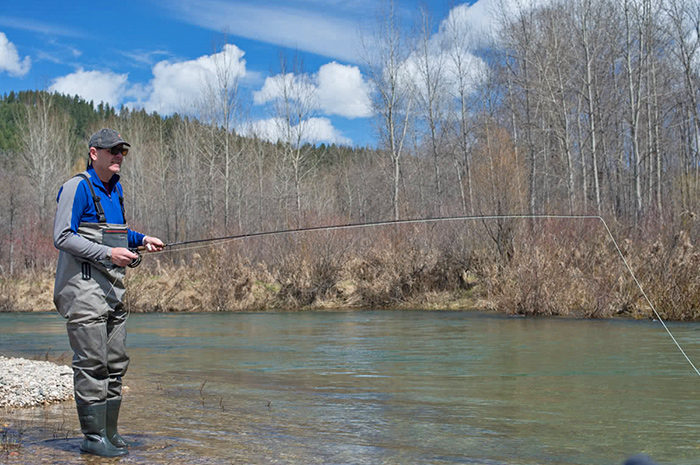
pixel 224 239
pixel 372 224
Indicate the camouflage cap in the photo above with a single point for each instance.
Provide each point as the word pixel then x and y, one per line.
pixel 106 139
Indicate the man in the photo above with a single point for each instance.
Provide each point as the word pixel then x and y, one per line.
pixel 91 233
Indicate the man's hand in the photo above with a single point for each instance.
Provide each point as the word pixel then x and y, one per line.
pixel 153 244
pixel 122 256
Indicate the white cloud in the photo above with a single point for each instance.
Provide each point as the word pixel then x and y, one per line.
pixel 175 87
pixel 342 91
pixel 266 129
pixel 40 27
pixel 9 59
pixel 322 130
pixel 275 87
pixel 313 131
pixel 294 27
pixel 98 86
pixel 143 57
pixel 449 54
pixel 452 49
pixel 456 66
pixel 335 90
pixel 179 86
pixel 483 20
pixel 471 22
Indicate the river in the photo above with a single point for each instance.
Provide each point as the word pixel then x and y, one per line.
pixel 381 387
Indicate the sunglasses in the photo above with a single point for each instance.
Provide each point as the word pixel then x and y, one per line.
pixel 117 149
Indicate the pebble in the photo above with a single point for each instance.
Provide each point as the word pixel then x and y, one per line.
pixel 28 383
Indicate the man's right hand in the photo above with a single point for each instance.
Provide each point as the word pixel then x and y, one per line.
pixel 122 256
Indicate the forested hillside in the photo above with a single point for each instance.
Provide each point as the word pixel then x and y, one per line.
pixel 585 107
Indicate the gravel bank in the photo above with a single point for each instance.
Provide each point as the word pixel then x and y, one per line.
pixel 27 383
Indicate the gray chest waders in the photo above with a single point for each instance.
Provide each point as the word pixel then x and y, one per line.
pixel 89 294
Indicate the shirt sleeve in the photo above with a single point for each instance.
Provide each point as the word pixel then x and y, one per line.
pixel 135 238
pixel 72 201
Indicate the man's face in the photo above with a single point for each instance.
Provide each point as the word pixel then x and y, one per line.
pixel 105 162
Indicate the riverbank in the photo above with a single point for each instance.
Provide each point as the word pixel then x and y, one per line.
pixel 31 383
pixel 564 272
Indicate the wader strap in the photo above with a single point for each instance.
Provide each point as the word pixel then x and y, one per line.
pixel 98 206
pixel 121 202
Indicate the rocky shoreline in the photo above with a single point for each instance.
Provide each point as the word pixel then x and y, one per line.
pixel 30 383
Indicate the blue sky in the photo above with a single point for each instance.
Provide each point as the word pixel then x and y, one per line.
pixel 151 53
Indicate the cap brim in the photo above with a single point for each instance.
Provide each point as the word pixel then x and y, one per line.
pixel 118 143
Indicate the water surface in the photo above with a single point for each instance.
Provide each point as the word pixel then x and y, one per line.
pixel 382 387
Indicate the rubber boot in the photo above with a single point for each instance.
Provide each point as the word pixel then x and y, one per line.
pixel 114 437
pixel 93 421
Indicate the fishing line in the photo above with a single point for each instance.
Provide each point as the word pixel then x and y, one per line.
pixel 227 239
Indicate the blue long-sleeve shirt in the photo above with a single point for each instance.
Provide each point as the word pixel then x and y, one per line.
pixel 75 206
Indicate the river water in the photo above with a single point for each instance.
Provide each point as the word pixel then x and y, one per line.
pixel 381 387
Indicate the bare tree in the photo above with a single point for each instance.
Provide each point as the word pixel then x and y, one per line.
pixel 186 182
pixel 517 41
pixel 295 110
pixel 586 20
pixel 221 103
pixel 466 70
pixel 552 59
pixel 635 12
pixel 386 54
pixel 47 150
pixel 684 30
pixel 431 89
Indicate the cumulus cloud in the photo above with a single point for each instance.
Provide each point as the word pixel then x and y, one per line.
pixel 471 22
pixel 342 91
pixel 312 130
pixel 322 130
pixel 335 90
pixel 175 87
pixel 275 87
pixel 9 59
pixel 452 50
pixel 483 19
pixel 98 86
pixel 460 71
pixel 178 86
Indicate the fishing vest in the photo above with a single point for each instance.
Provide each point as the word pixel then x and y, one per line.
pixel 83 284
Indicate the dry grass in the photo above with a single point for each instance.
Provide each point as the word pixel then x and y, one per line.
pixel 552 271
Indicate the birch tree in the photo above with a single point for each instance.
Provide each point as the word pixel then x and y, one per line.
pixel 430 71
pixel 221 103
pixel 684 30
pixel 47 148
pixel 386 54
pixel 294 109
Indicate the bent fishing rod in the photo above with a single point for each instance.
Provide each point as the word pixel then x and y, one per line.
pixel 371 224
pixel 173 246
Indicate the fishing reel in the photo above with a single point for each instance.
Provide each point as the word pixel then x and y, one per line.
pixel 136 261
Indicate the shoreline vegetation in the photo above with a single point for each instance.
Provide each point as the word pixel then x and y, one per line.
pixel 574 108
pixel 543 268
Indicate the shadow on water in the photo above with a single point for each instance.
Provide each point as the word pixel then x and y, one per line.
pixel 380 387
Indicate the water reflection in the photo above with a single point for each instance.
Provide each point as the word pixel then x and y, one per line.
pixel 385 387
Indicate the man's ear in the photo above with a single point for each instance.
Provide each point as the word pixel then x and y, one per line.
pixel 93 153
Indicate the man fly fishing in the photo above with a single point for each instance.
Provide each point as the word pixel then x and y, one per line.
pixel 91 233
